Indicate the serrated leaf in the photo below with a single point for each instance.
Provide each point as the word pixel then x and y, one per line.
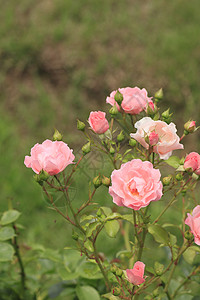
pixel 172 239
pixel 112 228
pixel 89 246
pixel 110 296
pixel 160 234
pixel 114 216
pixel 6 233
pixel 6 252
pixel 173 161
pixel 128 217
pixel 10 216
pixel 87 292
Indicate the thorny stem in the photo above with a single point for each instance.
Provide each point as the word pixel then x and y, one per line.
pixel 86 203
pixel 73 170
pixel 22 271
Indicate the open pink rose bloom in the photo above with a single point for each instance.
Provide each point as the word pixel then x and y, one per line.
pixel 193 221
pixel 192 162
pixel 136 275
pixel 135 100
pixel 52 157
pixel 98 122
pixel 168 140
pixel 135 184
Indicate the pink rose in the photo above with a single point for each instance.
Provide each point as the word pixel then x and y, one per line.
pixel 136 275
pixel 192 161
pixel 193 221
pixel 98 122
pixel 52 157
pixel 153 138
pixel 135 100
pixel 135 184
pixel 168 139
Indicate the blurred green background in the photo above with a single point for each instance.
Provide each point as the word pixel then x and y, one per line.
pixel 60 59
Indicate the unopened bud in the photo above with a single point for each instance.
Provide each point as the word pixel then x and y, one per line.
pixel 179 177
pixel 41 177
pixel 132 142
pixel 118 97
pixel 86 148
pixel 75 236
pixel 97 181
pixel 188 235
pixel 113 111
pixel 153 138
pixel 190 126
pixel 166 116
pixel 159 95
pixel 99 212
pixel 119 272
pixel 167 180
pixel 151 109
pixel 120 137
pixel 116 291
pixel 113 269
pixel 80 125
pixel 106 181
pixel 57 136
pixel 112 150
pixel 158 268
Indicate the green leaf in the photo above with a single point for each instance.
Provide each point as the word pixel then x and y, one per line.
pixel 172 239
pixel 10 216
pixel 89 270
pixel 173 161
pixel 110 296
pixel 189 255
pixel 125 253
pixel 160 234
pixel 52 255
pixel 128 217
pixel 86 218
pixel 91 227
pixel 6 233
pixel 87 292
pixel 112 228
pixel 89 246
pixel 6 252
pixel 106 210
pixel 66 275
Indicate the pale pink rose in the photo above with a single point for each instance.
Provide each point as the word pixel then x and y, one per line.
pixel 135 100
pixel 168 139
pixel 136 275
pixel 135 184
pixel 52 157
pixel 153 138
pixel 193 221
pixel 98 122
pixel 192 161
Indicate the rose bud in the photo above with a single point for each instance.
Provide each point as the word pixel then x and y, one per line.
pixel 192 163
pixel 98 122
pixel 158 95
pixel 190 126
pixel 80 125
pixel 57 136
pixel 193 221
pixel 118 97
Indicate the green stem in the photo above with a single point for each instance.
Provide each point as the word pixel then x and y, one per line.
pixel 22 271
pixel 108 285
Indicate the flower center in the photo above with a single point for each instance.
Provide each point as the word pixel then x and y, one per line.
pixel 132 188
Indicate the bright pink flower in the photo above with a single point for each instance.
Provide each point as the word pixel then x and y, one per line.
pixel 193 221
pixel 135 100
pixel 153 138
pixel 192 161
pixel 98 122
pixel 135 184
pixel 168 139
pixel 52 157
pixel 136 275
